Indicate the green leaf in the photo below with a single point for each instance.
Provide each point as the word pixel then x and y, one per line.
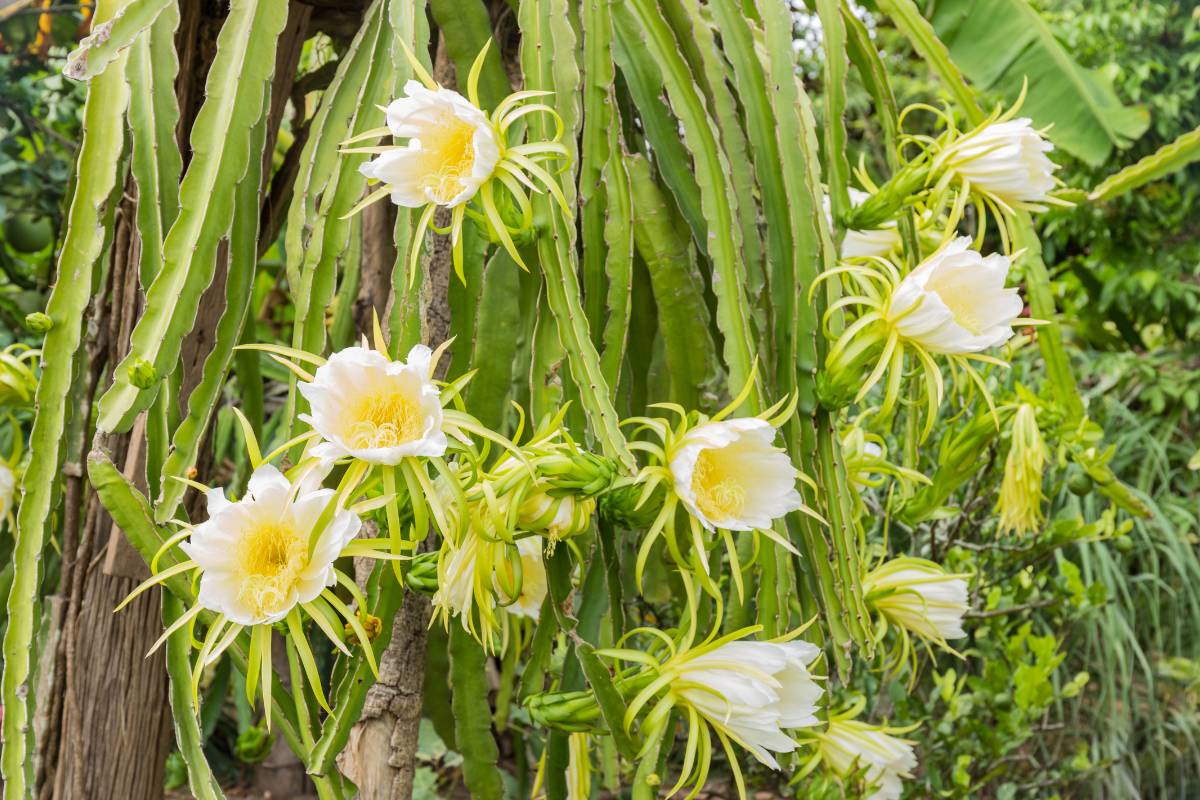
pixel 239 281
pixel 473 715
pixel 677 286
pixel 551 66
pixel 498 326
pixel 188 735
pixel 236 84
pixel 1001 44
pixel 612 706
pixel 643 29
pixel 1168 159
pixel 97 192
pixel 109 39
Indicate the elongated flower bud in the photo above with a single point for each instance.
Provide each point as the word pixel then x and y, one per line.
pixel 869 242
pixel 8 488
pixel 884 205
pixel 421 575
pixel 1020 503
pixel 559 517
pixel 566 711
pixel 579 768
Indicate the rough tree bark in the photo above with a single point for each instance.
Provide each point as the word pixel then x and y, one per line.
pixel 380 756
pixel 106 727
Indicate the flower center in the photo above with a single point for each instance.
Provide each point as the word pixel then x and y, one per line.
pixel 962 302
pixel 718 493
pixel 451 158
pixel 271 558
pixel 385 420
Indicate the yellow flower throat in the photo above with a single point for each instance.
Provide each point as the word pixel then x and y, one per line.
pixel 452 157
pixel 718 493
pixel 271 557
pixel 385 420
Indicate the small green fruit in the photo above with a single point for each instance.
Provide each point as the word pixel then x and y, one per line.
pixel 1080 483
pixel 27 233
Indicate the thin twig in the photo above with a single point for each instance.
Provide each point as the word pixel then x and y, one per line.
pixel 999 612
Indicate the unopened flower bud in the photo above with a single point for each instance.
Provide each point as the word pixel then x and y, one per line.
pixel 142 373
pixel 1020 503
pixel 421 575
pixel 37 322
pixel 575 712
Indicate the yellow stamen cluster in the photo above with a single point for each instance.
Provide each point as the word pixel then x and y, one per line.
pixel 385 420
pixel 271 558
pixel 718 494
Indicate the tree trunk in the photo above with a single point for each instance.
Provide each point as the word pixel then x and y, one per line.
pixel 107 727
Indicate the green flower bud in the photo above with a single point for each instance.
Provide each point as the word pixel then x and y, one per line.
pixel 619 506
pixel 142 373
pixel 421 575
pixel 37 322
pixel 575 712
pixel 581 472
pixel 884 205
pixel 253 745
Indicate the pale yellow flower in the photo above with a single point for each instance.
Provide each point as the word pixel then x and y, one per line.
pixel 373 409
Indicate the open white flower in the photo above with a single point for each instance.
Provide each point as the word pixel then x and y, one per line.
pixel 373 409
pixel 455 154
pixel 452 149
pixel 1004 160
pixel 752 692
pixel 955 302
pixel 919 596
pixel 848 746
pixel 730 475
pixel 863 244
pixel 253 554
pixel 8 489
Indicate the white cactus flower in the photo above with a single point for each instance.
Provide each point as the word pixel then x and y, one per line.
pixel 1005 160
pixel 752 692
pixel 955 302
pixel 254 553
pixel 847 746
pixel 452 149
pixel 730 475
pixel 373 409
pixel 919 596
